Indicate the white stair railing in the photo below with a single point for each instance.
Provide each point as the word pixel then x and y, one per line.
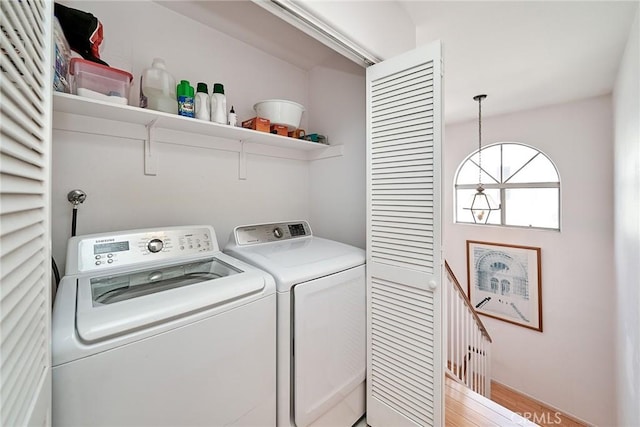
pixel 468 342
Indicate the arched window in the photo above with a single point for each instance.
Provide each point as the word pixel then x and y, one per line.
pixel 522 179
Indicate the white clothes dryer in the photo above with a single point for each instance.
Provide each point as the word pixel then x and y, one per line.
pixel 321 305
pixel 158 327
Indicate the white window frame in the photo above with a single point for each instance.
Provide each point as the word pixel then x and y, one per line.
pixel 503 186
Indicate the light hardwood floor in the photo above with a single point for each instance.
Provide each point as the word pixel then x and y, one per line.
pixel 531 408
pixel 464 408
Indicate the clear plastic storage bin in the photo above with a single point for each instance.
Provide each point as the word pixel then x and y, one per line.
pixel 97 81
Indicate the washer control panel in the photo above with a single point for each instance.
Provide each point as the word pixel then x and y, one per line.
pixel 101 251
pixel 265 233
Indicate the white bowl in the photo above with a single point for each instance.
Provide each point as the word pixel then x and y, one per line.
pixel 280 112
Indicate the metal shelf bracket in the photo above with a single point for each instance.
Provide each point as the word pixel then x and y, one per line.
pixel 150 157
pixel 242 162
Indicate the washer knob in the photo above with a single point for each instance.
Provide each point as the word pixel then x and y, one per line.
pixel 277 232
pixel 155 245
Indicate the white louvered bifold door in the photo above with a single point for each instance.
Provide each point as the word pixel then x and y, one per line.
pixel 25 262
pixel 404 268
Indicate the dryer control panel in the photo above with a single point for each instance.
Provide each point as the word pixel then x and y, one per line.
pixel 100 251
pixel 265 233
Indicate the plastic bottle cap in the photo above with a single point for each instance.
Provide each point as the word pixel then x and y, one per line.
pixel 202 87
pixel 184 88
pixel 232 110
pixel 218 88
pixel 158 63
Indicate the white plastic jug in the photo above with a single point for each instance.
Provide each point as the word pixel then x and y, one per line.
pixel 218 104
pixel 159 88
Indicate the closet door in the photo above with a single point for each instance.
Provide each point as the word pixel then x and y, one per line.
pixel 404 266
pixel 25 261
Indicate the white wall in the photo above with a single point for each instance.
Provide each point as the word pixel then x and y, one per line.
pixel 337 195
pixel 135 32
pixel 626 108
pixel 569 365
pixel 194 185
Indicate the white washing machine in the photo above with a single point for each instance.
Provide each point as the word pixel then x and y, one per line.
pixel 157 327
pixel 321 321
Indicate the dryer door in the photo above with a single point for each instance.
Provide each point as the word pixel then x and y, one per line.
pixel 329 333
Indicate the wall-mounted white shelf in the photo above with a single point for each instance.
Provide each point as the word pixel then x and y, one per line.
pixel 74 113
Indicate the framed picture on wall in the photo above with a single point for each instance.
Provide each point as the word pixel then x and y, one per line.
pixel 504 282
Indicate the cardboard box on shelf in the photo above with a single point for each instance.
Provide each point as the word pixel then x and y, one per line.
pixel 279 130
pixel 298 133
pixel 257 123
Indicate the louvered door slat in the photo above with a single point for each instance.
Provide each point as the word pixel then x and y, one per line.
pixel 19 133
pixel 380 199
pixel 402 158
pixel 404 302
pixel 390 348
pixel 31 369
pixel 394 141
pixel 21 185
pixel 17 221
pixel 416 359
pixel 399 167
pixel 31 55
pixel 19 167
pixel 24 128
pixel 21 100
pixel 413 388
pixel 399 309
pixel 382 84
pixel 16 72
pixel 403 82
pixel 399 111
pixel 416 245
pixel 401 324
pixel 407 394
pixel 17 278
pixel 20 202
pixel 19 239
pixel 418 129
pixel 25 144
pixel 384 362
pixel 12 147
pixel 408 99
pixel 401 201
pixel 403 237
pixel 411 122
pixel 399 230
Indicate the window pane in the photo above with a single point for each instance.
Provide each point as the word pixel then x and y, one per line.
pixel 533 207
pixel 514 156
pixel 468 173
pixel 512 164
pixel 490 164
pixel 539 170
pixel 464 199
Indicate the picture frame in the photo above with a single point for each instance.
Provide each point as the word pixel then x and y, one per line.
pixel 505 282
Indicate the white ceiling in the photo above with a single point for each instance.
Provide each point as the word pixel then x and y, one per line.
pixel 522 54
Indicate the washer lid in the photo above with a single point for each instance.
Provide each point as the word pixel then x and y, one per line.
pixel 295 261
pixel 111 305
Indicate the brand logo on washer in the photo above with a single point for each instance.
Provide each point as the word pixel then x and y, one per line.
pixel 105 240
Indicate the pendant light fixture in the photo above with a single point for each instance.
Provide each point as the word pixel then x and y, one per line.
pixel 481 205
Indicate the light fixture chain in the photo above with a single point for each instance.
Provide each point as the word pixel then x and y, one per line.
pixel 480 141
